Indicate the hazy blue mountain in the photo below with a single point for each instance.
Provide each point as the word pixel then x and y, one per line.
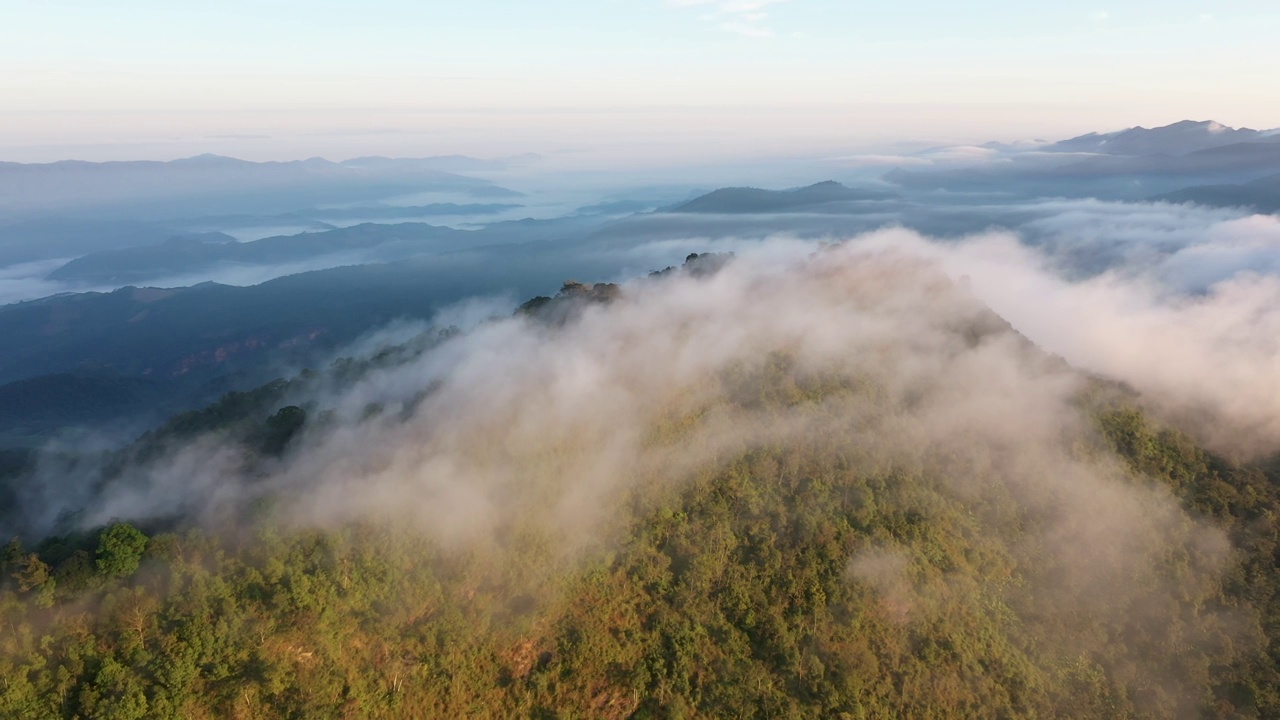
pixel 203 330
pixel 211 184
pixel 319 217
pixel 532 230
pixel 33 406
pixel 183 255
pixel 1176 139
pixel 1235 158
pixel 183 339
pixel 755 200
pixel 209 330
pixel 1262 195
pixel 616 207
pixel 183 260
pixel 393 212
pixel 62 237
pixel 1118 177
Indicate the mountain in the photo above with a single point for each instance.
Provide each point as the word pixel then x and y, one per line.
pixel 398 212
pixel 1124 177
pixel 217 255
pixel 755 200
pixel 191 254
pixel 46 403
pixel 211 185
pixel 62 237
pixel 377 212
pixel 1176 139
pixel 801 538
pixel 1132 164
pixel 1262 195
pixel 32 240
pixel 209 330
pixel 1235 158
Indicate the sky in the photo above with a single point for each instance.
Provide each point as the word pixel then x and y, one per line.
pixel 663 80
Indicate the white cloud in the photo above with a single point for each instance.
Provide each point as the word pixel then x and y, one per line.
pixel 742 17
pixel 746 29
pixel 557 434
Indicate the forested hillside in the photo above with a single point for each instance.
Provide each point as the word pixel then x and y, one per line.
pixel 912 513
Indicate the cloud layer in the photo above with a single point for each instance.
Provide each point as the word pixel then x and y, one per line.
pixel 880 352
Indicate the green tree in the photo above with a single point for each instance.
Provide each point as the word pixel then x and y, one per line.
pixel 120 549
pixel 281 427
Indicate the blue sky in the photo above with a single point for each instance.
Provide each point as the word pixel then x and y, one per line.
pixel 286 78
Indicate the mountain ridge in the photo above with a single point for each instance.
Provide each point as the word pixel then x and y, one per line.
pixel 1176 138
pixel 757 200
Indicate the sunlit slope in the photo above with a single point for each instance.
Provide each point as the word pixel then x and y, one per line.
pixel 836 486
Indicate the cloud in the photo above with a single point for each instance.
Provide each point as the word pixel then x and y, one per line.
pixel 1205 359
pixel 1156 239
pixel 519 428
pixel 1229 248
pixel 746 29
pixel 1179 302
pixel 948 156
pixel 27 281
pixel 741 17
pixel 881 160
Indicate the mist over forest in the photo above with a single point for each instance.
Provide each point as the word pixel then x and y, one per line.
pixel 961 431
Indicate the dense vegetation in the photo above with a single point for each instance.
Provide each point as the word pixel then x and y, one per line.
pixel 847 567
pixel 787 581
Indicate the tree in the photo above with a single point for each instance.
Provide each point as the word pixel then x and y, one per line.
pixel 120 549
pixel 281 427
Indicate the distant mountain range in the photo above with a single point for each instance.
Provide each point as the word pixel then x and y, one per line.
pixel 62 237
pixel 1261 195
pixel 207 328
pixel 133 347
pixel 192 253
pixel 1134 164
pixel 755 200
pixel 1236 158
pixel 1176 139
pixel 46 403
pixel 363 243
pixel 212 184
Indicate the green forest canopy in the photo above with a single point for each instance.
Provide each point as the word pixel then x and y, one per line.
pixel 786 580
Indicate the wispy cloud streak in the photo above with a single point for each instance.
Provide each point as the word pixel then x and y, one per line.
pixel 741 17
